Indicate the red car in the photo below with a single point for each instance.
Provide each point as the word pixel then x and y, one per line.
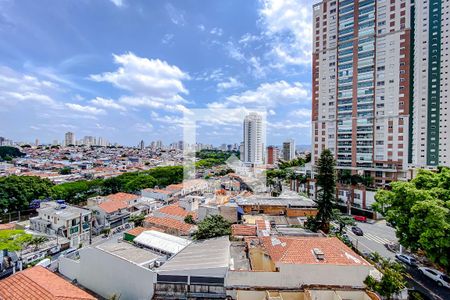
pixel 360 218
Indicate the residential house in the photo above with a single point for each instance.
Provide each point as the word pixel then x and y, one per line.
pixel 38 283
pixel 60 219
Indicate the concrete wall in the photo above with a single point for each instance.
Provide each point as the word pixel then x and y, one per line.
pixel 107 274
pixel 295 276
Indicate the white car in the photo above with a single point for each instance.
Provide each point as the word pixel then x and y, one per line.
pixel 409 260
pixel 440 278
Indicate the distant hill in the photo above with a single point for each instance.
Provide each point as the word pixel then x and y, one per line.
pixel 10 152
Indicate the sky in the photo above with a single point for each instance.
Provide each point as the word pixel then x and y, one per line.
pixel 128 70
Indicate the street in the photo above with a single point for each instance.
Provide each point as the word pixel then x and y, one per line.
pixel 373 240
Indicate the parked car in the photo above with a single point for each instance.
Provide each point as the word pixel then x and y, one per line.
pixel 409 260
pixel 440 278
pixel 360 218
pixel 358 231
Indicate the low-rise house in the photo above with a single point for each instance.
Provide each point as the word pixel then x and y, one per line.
pixel 171 226
pixel 115 209
pixel 113 269
pixel 174 211
pixel 158 194
pixel 196 272
pixel 61 219
pixel 289 206
pixel 39 283
pixel 284 263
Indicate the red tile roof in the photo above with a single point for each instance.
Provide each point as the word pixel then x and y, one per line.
pixel 122 197
pixel 176 210
pixel 7 226
pixel 243 230
pixel 137 230
pixel 38 283
pixel 299 250
pixel 112 206
pixel 168 223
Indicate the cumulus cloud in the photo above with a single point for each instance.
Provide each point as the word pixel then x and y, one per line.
pixel 152 78
pixel 107 103
pixel 289 24
pixel 85 109
pixel 118 3
pixel 272 94
pixel 232 83
pixel 216 31
pixel 301 113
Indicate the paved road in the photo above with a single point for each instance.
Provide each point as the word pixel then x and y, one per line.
pixel 373 240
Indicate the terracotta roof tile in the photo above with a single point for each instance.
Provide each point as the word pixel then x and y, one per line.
pixel 112 206
pixel 293 250
pixel 169 224
pixel 122 197
pixel 243 230
pixel 137 230
pixel 38 283
pixel 7 226
pixel 176 210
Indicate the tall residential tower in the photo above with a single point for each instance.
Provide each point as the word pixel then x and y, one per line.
pixel 361 85
pixel 253 140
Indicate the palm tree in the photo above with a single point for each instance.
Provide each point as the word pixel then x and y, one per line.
pixel 37 241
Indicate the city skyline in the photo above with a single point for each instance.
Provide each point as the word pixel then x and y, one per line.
pixel 127 80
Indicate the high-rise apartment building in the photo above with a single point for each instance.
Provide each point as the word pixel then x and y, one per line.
pixel 362 85
pixel 253 140
pixel 288 150
pixel 69 139
pixel 430 141
pixel 272 155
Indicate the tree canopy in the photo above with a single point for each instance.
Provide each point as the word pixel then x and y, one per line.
pixel 420 210
pixel 392 281
pixel 14 240
pixel 212 226
pixel 8 151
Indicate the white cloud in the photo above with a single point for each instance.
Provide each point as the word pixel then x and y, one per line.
pixel 151 103
pixel 85 109
pixel 118 3
pixel 167 38
pixel 230 84
pixel 143 127
pixel 175 15
pixel 201 27
pixel 216 31
pixel 289 24
pixel 152 78
pixel 253 63
pixel 272 94
pixel 301 113
pixel 288 125
pixel 107 103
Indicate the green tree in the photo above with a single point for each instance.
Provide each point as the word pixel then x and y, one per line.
pixel 65 171
pixel 139 183
pixel 326 182
pixel 189 219
pixel 420 210
pixel 212 226
pixel 14 240
pixel 392 281
pixel 36 241
pixel 138 220
pixel 16 192
pixel 9 151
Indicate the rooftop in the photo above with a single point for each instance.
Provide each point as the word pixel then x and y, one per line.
pixel 277 201
pixel 122 197
pixel 161 241
pixel 208 255
pixel 128 252
pixel 175 210
pixel 62 211
pixel 243 230
pixel 170 223
pixel 38 283
pixel 300 250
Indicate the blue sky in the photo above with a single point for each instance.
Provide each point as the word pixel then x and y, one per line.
pixel 129 70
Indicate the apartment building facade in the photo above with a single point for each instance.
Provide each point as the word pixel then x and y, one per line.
pixel 362 86
pixel 431 125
